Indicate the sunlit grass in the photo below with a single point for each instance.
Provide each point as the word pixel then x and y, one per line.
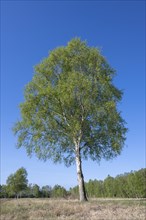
pixel 51 209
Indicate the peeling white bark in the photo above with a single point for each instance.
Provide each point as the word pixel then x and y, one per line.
pixel 80 176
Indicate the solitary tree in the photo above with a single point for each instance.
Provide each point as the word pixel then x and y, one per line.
pixel 70 109
pixel 17 182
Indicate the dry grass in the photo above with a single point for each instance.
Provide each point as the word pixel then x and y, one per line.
pixel 95 209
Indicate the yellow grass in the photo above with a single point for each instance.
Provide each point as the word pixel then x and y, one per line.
pixel 51 209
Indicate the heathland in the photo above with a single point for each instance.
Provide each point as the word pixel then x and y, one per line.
pixel 53 209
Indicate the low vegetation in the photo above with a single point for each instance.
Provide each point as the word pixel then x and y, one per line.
pixel 53 209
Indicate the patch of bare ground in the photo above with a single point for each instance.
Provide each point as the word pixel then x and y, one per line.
pixel 51 209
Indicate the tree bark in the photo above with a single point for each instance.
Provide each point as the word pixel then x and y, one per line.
pixel 82 192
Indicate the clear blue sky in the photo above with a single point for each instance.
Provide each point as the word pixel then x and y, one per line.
pixel 29 29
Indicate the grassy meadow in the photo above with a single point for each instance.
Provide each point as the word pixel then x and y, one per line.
pixel 54 209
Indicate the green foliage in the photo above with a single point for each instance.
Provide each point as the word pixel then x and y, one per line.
pixel 36 191
pixel 94 188
pixel 128 185
pixel 72 98
pixel 46 191
pixel 17 182
pixel 59 191
pixel 3 191
pixel 109 187
pixel 74 192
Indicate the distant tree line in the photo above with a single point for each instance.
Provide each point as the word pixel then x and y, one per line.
pixel 17 187
pixel 127 185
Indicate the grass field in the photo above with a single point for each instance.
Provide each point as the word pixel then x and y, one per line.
pixel 51 209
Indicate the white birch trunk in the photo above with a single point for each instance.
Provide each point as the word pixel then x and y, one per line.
pixel 82 192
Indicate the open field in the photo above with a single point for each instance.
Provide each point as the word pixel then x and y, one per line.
pixel 51 209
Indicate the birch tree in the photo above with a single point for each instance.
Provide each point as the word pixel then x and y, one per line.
pixel 17 182
pixel 70 109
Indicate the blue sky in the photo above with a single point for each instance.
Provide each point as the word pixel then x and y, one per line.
pixel 29 30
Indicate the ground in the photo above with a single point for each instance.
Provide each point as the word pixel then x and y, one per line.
pixel 61 209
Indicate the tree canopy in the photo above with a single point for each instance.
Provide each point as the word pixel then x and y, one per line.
pixel 17 182
pixel 70 110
